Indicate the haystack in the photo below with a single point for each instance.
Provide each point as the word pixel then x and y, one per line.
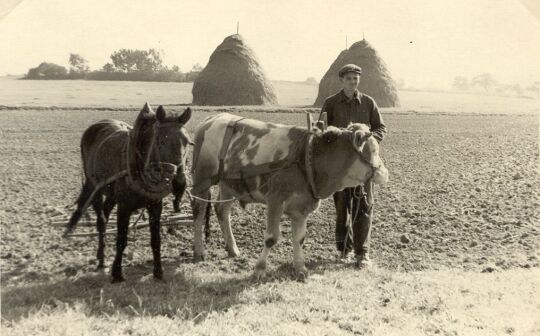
pixel 376 80
pixel 233 76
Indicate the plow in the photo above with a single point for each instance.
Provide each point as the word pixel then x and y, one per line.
pixel 137 221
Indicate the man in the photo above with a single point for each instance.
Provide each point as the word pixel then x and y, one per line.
pixel 345 107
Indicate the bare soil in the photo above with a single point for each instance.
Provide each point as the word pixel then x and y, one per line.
pixel 463 194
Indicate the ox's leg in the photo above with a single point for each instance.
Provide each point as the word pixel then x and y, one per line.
pixel 199 217
pixel 97 205
pixel 124 214
pixel 299 221
pixel 274 210
pixel 223 211
pixel 154 212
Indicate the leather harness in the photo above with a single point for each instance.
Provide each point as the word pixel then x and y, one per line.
pixel 263 168
pixel 270 167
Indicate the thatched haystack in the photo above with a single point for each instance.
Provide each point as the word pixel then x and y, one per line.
pixel 233 77
pixel 376 80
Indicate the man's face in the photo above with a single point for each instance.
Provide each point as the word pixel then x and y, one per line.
pixel 350 81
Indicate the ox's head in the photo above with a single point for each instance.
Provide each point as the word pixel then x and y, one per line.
pixel 346 158
pixel 368 149
pixel 162 140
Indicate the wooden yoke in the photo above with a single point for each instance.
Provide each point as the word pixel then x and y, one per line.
pixel 309 119
pixel 320 124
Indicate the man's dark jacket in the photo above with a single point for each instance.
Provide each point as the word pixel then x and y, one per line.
pixel 342 110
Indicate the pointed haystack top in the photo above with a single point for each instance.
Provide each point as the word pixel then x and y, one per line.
pixel 233 76
pixel 376 80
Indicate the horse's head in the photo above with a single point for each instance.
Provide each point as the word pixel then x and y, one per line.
pixel 162 141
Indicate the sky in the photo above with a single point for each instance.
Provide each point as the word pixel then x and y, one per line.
pixel 424 42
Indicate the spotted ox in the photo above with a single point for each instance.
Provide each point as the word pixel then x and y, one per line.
pixel 288 168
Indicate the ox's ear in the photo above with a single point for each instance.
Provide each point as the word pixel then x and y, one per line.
pixel 160 113
pixel 359 138
pixel 146 109
pixel 184 118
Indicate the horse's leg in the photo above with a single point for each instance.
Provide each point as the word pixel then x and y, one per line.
pixel 207 223
pixel 124 213
pixel 154 212
pixel 299 221
pixel 223 211
pixel 199 214
pixel 85 193
pixel 274 210
pixel 97 205
pixel 179 187
pixel 108 207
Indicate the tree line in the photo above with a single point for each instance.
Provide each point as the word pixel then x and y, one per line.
pixel 126 64
pixel 487 83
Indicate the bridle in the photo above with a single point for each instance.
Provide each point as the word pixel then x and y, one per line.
pixel 153 164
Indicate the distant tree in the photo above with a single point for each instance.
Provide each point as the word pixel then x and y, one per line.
pixel 535 89
pixel 460 83
pixel 311 81
pixel 175 68
pixel 78 64
pixel 108 67
pixel 196 68
pixel 485 81
pixel 129 60
pixel 47 71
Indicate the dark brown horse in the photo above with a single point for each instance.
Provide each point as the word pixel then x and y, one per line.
pixel 134 168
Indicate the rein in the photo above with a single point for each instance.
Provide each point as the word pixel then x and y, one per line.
pixel 145 182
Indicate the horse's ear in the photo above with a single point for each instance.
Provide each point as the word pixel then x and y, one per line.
pixel 160 113
pixel 146 109
pixel 184 118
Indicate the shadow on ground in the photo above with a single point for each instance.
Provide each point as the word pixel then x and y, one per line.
pixel 185 293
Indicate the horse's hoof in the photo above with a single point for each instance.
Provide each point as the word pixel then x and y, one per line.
pixel 66 233
pixel 100 268
pixel 198 257
pixel 117 279
pixel 158 275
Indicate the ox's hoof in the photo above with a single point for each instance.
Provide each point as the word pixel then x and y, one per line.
pixel 198 257
pixel 259 274
pixel 302 271
pixel 260 271
pixel 234 252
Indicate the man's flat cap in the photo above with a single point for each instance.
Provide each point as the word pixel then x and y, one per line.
pixel 350 68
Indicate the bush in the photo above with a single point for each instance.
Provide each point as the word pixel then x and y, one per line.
pixel 47 71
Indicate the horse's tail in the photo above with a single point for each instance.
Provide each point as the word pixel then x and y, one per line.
pixel 87 191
